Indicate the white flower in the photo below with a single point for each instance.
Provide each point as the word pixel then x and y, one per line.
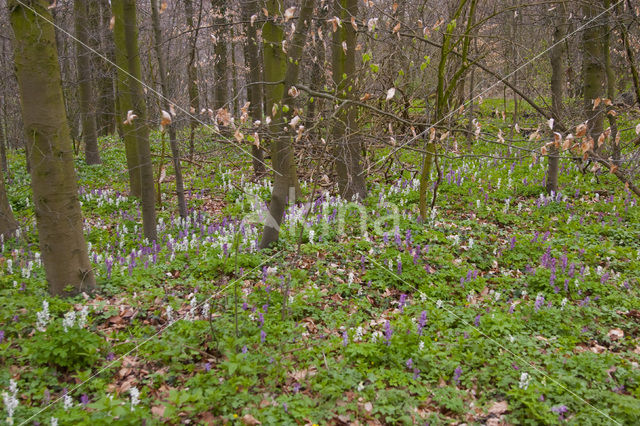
pixel 524 381
pixel 54 421
pixel 439 304
pixel 360 387
pixel 206 308
pixel 135 397
pixel 11 400
pixel 375 335
pixel 350 278
pixel 192 309
pixel 358 335
pixel 10 266
pixel 563 303
pixel 470 243
pixel 82 316
pixel 43 317
pixel 169 313
pixel 421 346
pixel 312 233
pixel 67 402
pixel 69 320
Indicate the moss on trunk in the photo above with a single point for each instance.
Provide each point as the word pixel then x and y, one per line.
pixel 53 177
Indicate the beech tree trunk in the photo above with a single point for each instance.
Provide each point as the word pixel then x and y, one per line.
pixel 84 78
pixel 131 98
pixel 351 179
pixel 175 150
pixel 254 90
pixel 53 177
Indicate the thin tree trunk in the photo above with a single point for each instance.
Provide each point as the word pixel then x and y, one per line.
pixel 4 141
pixel 53 177
pixel 8 224
pixel 254 90
pixel 125 99
pixel 351 179
pixel 557 91
pixel 175 150
pixel 611 89
pixel 85 80
pixel 132 98
pixel 192 72
pixel 593 72
pixel 220 66
pixel 276 67
pixel 106 115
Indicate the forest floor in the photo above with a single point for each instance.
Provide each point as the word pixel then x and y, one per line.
pixel 505 307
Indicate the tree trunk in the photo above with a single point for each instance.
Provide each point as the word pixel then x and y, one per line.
pixel 53 178
pixel 106 115
pixel 8 224
pixel 557 91
pixel 192 72
pixel 125 99
pixel 220 66
pixel 175 150
pixel 254 90
pixel 593 71
pixel 85 90
pixel 351 179
pixel 611 89
pixel 278 67
pixel 131 97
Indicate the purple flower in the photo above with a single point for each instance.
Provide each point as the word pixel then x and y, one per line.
pixel 261 319
pixel 244 349
pixel 399 266
pixel 456 375
pixel 409 363
pixel 403 300
pixel 345 338
pixel 388 332
pixel 1 336
pixel 207 367
pixel 422 322
pixel 559 409
pixel 476 321
pixel 111 356
pixel 416 374
pixel 84 399
pixel 296 387
pixel 263 336
pixel 539 302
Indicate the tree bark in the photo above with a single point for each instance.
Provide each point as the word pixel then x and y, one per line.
pixel 125 99
pixel 85 80
pixel 611 88
pixel 593 71
pixel 8 224
pixel 106 115
pixel 254 90
pixel 192 72
pixel 557 91
pixel 351 179
pixel 220 66
pixel 277 66
pixel 131 97
pixel 175 150
pixel 53 178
